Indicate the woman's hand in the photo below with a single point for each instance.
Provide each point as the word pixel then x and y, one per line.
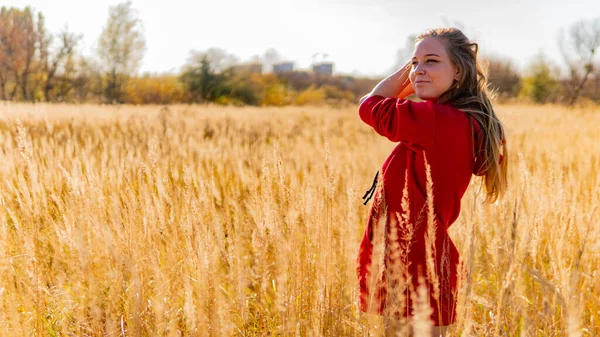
pixel 407 88
pixel 396 85
pixel 407 91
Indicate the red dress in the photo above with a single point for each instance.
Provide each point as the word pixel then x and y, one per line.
pixel 390 274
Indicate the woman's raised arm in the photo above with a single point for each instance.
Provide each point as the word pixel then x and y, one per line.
pixel 396 85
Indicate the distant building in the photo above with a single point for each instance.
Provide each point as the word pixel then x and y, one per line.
pixel 283 67
pixel 323 68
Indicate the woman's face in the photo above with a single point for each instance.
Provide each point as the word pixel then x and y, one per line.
pixel 432 72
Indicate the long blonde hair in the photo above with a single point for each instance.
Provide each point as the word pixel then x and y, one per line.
pixel 470 94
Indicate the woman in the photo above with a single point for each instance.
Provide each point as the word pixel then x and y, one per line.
pixel 407 265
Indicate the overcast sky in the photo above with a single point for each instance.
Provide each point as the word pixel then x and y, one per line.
pixel 360 36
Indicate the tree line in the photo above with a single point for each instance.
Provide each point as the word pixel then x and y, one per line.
pixel 40 66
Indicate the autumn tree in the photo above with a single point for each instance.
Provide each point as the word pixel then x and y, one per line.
pixel 207 74
pixel 579 48
pixel 88 81
pixel 154 89
pixel 218 59
pixel 5 57
pixel 202 82
pixel 541 82
pixel 121 47
pixel 20 33
pixel 58 64
pixel 503 76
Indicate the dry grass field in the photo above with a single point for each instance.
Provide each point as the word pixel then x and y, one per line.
pixel 213 221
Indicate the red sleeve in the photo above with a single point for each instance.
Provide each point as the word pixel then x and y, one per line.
pixel 400 120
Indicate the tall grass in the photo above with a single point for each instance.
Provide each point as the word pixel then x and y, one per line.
pixel 208 221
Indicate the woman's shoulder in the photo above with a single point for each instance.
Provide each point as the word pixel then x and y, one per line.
pixel 446 110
